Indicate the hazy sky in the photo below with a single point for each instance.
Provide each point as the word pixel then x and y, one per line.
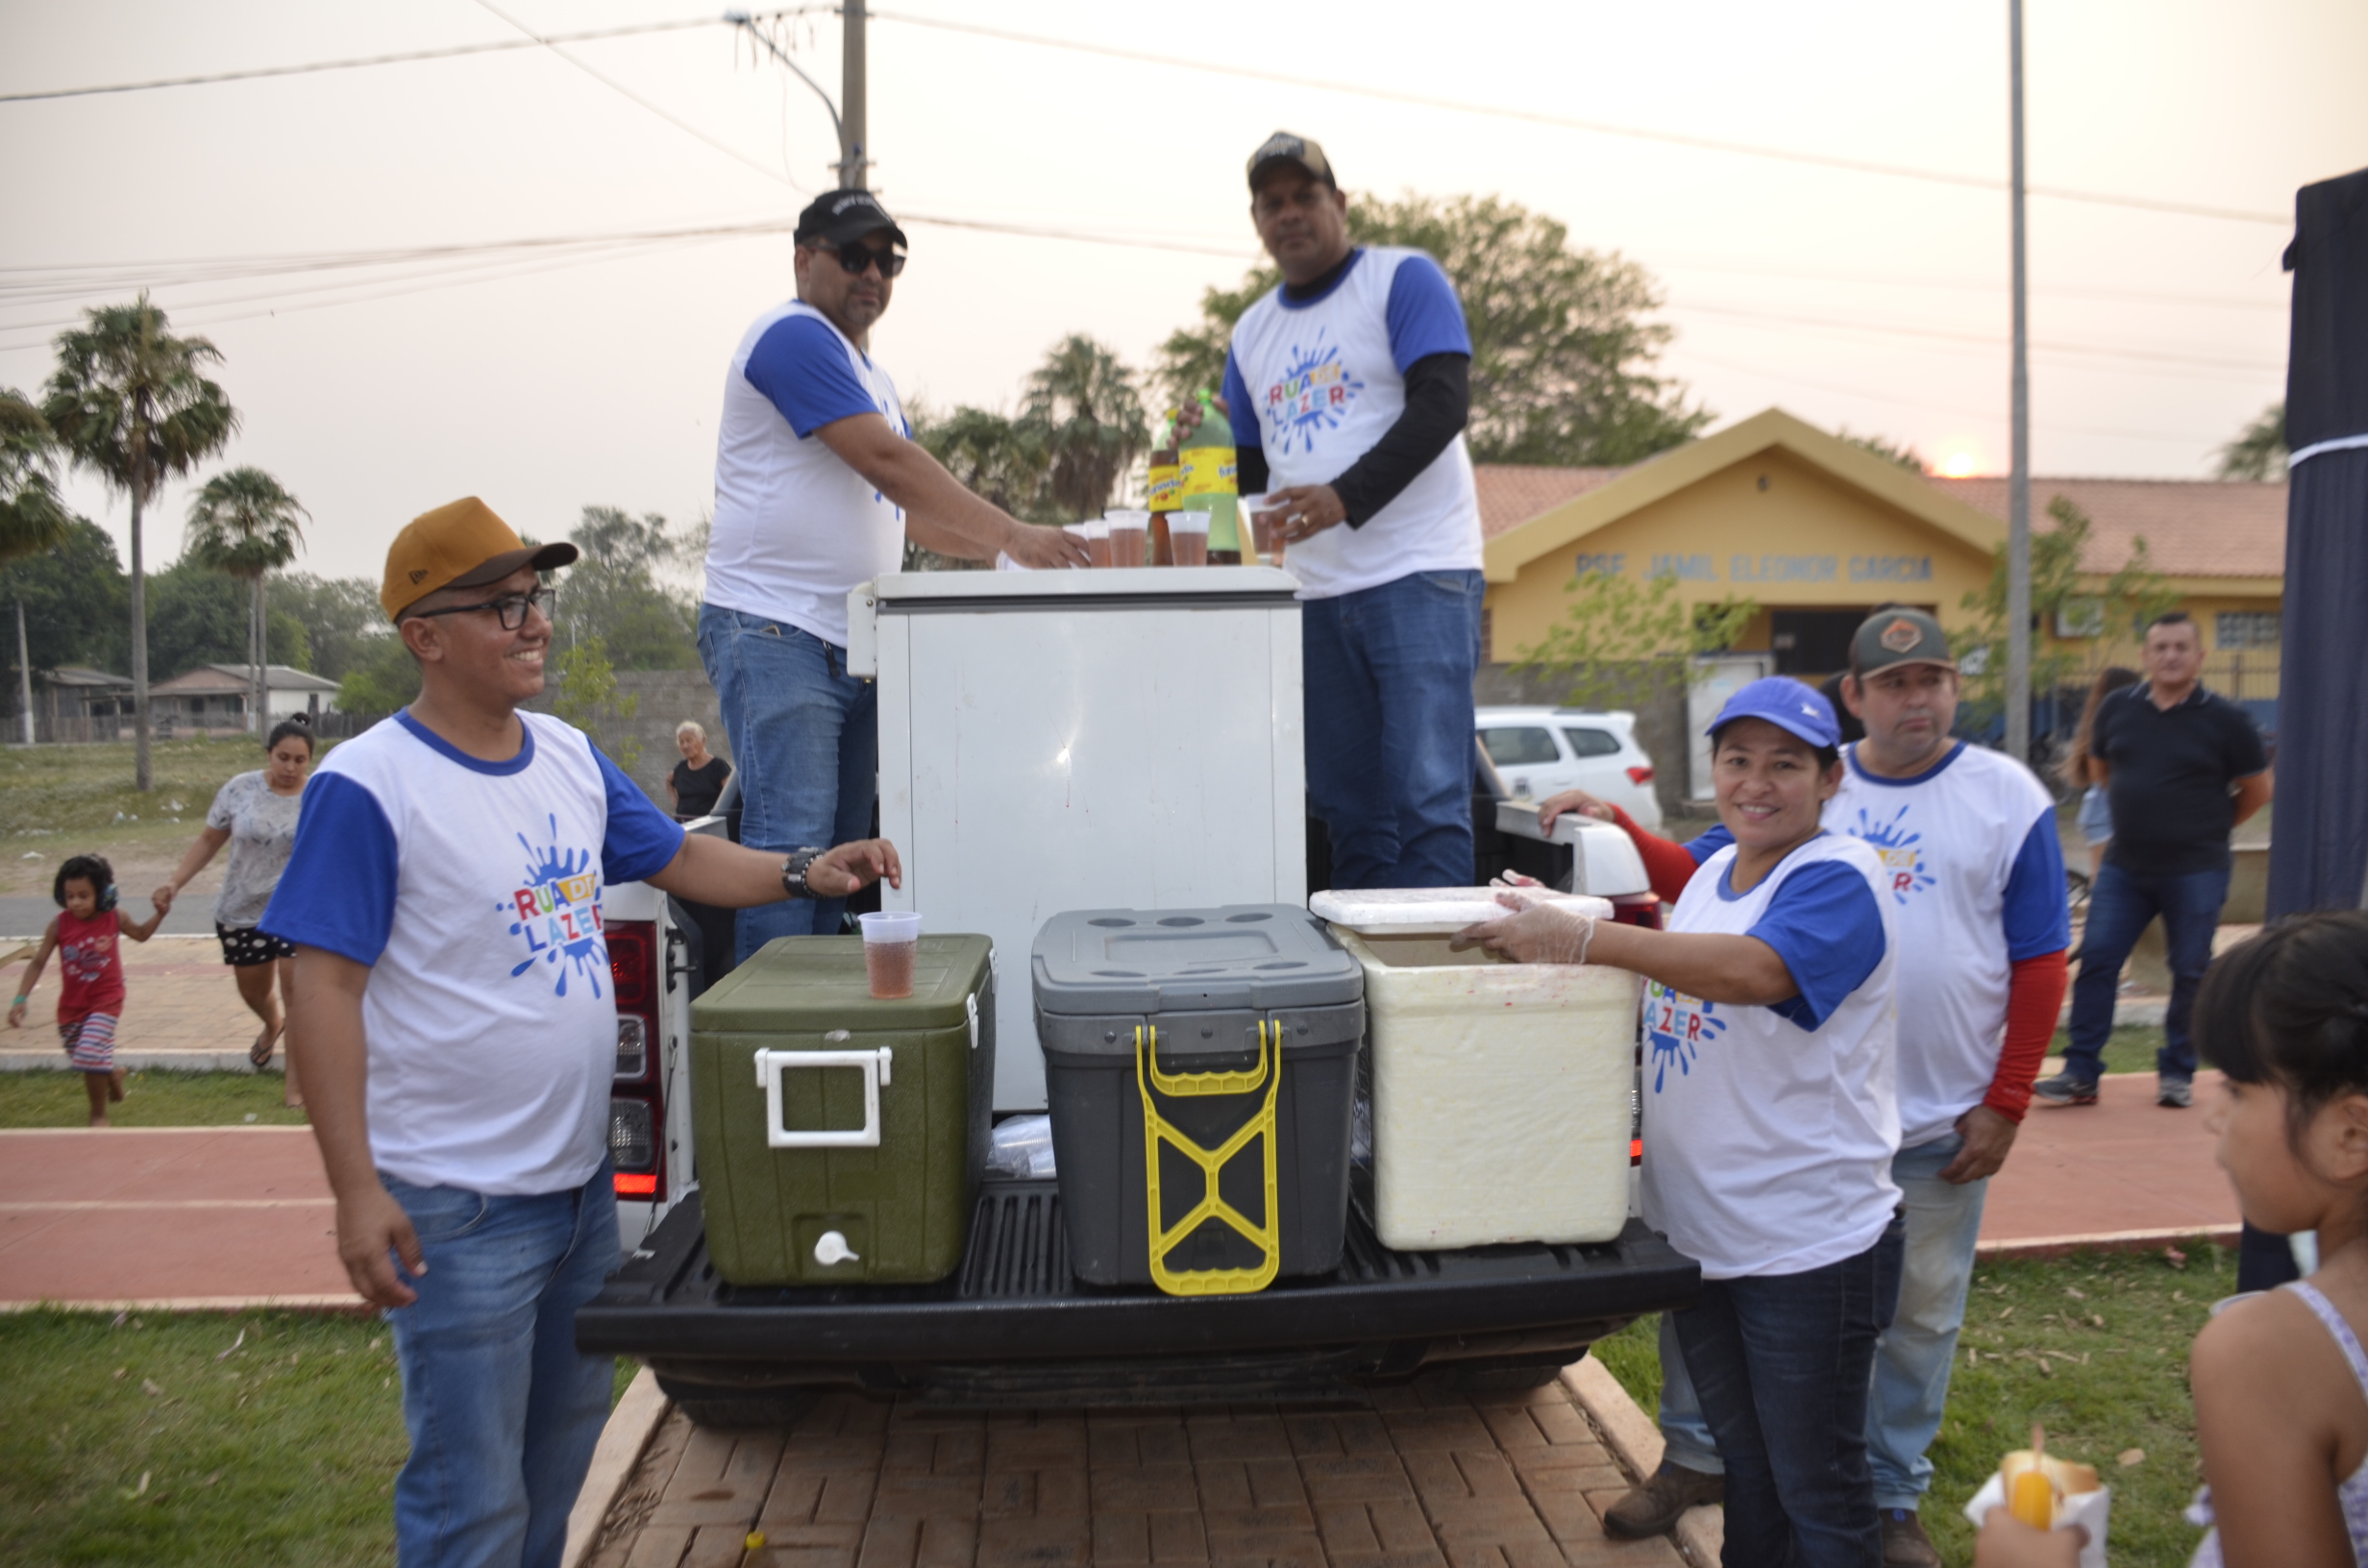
pixel 1850 298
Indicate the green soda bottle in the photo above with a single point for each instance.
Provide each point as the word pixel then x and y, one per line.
pixel 1207 461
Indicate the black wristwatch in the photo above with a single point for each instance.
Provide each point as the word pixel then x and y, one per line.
pixel 794 870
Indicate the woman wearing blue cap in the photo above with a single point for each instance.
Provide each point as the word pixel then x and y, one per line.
pixel 1771 1122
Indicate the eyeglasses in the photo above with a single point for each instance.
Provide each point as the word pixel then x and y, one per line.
pixel 854 255
pixel 510 608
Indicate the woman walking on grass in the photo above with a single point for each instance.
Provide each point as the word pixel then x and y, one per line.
pixel 255 814
pixel 90 970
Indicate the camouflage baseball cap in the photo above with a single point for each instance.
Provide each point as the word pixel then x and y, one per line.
pixel 1899 635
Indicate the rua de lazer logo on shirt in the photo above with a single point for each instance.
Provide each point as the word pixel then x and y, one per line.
pixel 557 910
pixel 1676 1026
pixel 1903 862
pixel 1313 395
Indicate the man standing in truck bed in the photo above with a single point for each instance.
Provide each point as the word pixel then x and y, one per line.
pixel 1348 387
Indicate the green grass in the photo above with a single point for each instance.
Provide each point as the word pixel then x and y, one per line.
pixel 142 1441
pixel 55 1098
pixel 2130 1048
pixel 2102 1389
pixel 76 790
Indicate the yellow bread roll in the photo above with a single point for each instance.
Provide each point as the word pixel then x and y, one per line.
pixel 2065 1476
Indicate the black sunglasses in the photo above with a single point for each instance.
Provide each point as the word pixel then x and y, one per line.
pixel 854 255
pixel 511 609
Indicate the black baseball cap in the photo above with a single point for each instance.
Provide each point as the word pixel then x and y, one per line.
pixel 1898 635
pixel 1283 147
pixel 837 216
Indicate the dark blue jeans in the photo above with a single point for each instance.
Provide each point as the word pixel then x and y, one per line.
pixel 1390 739
pixel 2120 903
pixel 805 739
pixel 1781 1365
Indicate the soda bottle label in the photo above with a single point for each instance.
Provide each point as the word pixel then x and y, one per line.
pixel 1167 488
pixel 1208 470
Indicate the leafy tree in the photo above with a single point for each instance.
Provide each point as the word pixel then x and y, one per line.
pixel 382 677
pixel 1884 447
pixel 2134 595
pixel 2259 452
pixel 341 616
pixel 1088 414
pixel 31 516
pixel 129 402
pixel 1562 368
pixel 243 525
pixel 197 616
pixel 74 596
pixel 1620 639
pixel 614 591
pixel 584 694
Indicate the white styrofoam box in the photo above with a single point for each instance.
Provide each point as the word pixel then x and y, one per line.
pixel 1603 862
pixel 1429 911
pixel 1502 1095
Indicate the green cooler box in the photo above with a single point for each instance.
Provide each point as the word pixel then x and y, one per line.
pixel 842 1139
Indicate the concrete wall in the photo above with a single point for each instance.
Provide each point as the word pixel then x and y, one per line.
pixel 666 698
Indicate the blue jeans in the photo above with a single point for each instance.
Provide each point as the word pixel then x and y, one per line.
pixel 805 739
pixel 1390 737
pixel 1915 1353
pixel 2120 903
pixel 502 1411
pixel 1781 1362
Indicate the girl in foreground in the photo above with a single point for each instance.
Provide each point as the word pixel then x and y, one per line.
pixel 2280 1379
pixel 90 973
pixel 1769 1125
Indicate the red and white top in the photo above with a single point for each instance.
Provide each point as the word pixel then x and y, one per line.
pixel 90 965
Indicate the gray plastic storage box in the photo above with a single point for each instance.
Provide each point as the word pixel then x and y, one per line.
pixel 1165 1029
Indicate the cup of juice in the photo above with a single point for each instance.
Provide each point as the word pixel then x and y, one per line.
pixel 1187 532
pixel 1096 541
pixel 890 938
pixel 1130 536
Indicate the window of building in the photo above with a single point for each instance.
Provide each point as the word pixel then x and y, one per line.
pixel 1591 743
pixel 2246 628
pixel 1521 746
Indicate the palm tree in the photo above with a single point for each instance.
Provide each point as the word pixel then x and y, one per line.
pixel 128 403
pixel 1090 412
pixel 243 523
pixel 32 517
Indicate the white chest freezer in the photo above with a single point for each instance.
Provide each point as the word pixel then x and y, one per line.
pixel 1051 741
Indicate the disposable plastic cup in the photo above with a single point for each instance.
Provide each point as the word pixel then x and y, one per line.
pixel 1265 522
pixel 1130 538
pixel 890 938
pixel 1098 541
pixel 1189 533
pixel 1076 531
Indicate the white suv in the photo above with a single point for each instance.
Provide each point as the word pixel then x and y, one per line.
pixel 1543 751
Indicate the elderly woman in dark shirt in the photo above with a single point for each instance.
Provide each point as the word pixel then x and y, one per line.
pixel 697 782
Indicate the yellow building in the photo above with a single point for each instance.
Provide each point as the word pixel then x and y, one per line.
pixel 1818 532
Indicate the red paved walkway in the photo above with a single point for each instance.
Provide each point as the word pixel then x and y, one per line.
pixel 203 1214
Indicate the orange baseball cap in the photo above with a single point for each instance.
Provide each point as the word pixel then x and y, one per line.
pixel 463 544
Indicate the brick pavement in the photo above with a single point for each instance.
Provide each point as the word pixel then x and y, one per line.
pixel 181 1010
pixel 1419 1478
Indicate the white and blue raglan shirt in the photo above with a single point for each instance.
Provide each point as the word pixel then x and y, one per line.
pixel 1317 383
pixel 1769 1131
pixel 473 888
pixel 1974 870
pixel 795 530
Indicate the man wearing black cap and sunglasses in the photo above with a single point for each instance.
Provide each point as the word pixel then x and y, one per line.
pixel 818 482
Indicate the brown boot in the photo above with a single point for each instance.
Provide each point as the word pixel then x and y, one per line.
pixel 1653 1508
pixel 1905 1545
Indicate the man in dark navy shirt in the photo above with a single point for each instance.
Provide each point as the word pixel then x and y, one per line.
pixel 2182 767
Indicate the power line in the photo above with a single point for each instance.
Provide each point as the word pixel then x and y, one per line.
pixel 615 85
pixel 1936 334
pixel 407 56
pixel 2114 296
pixel 1854 165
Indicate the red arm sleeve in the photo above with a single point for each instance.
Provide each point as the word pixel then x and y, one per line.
pixel 2035 996
pixel 1666 862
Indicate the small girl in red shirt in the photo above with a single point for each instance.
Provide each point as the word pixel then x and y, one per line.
pixel 90 998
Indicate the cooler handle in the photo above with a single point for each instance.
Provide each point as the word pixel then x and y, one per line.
pixel 970 1005
pixel 1261 1126
pixel 875 1067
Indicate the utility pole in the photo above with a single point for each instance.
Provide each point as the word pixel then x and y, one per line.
pixel 853 135
pixel 2018 478
pixel 24 671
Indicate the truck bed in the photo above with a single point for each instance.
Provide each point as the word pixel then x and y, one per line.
pixel 1013 1325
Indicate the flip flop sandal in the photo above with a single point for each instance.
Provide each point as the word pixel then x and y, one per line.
pixel 260 1053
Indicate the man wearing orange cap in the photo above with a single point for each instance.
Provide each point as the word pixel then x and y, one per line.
pixel 457 1027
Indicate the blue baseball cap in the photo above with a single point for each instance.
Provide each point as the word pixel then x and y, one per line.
pixel 1787 704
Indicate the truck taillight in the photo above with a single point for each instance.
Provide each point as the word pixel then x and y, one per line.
pixel 1640 775
pixel 1641 909
pixel 637 1106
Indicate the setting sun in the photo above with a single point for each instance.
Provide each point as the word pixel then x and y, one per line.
pixel 1961 463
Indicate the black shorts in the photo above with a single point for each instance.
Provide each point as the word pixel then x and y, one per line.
pixel 247 946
